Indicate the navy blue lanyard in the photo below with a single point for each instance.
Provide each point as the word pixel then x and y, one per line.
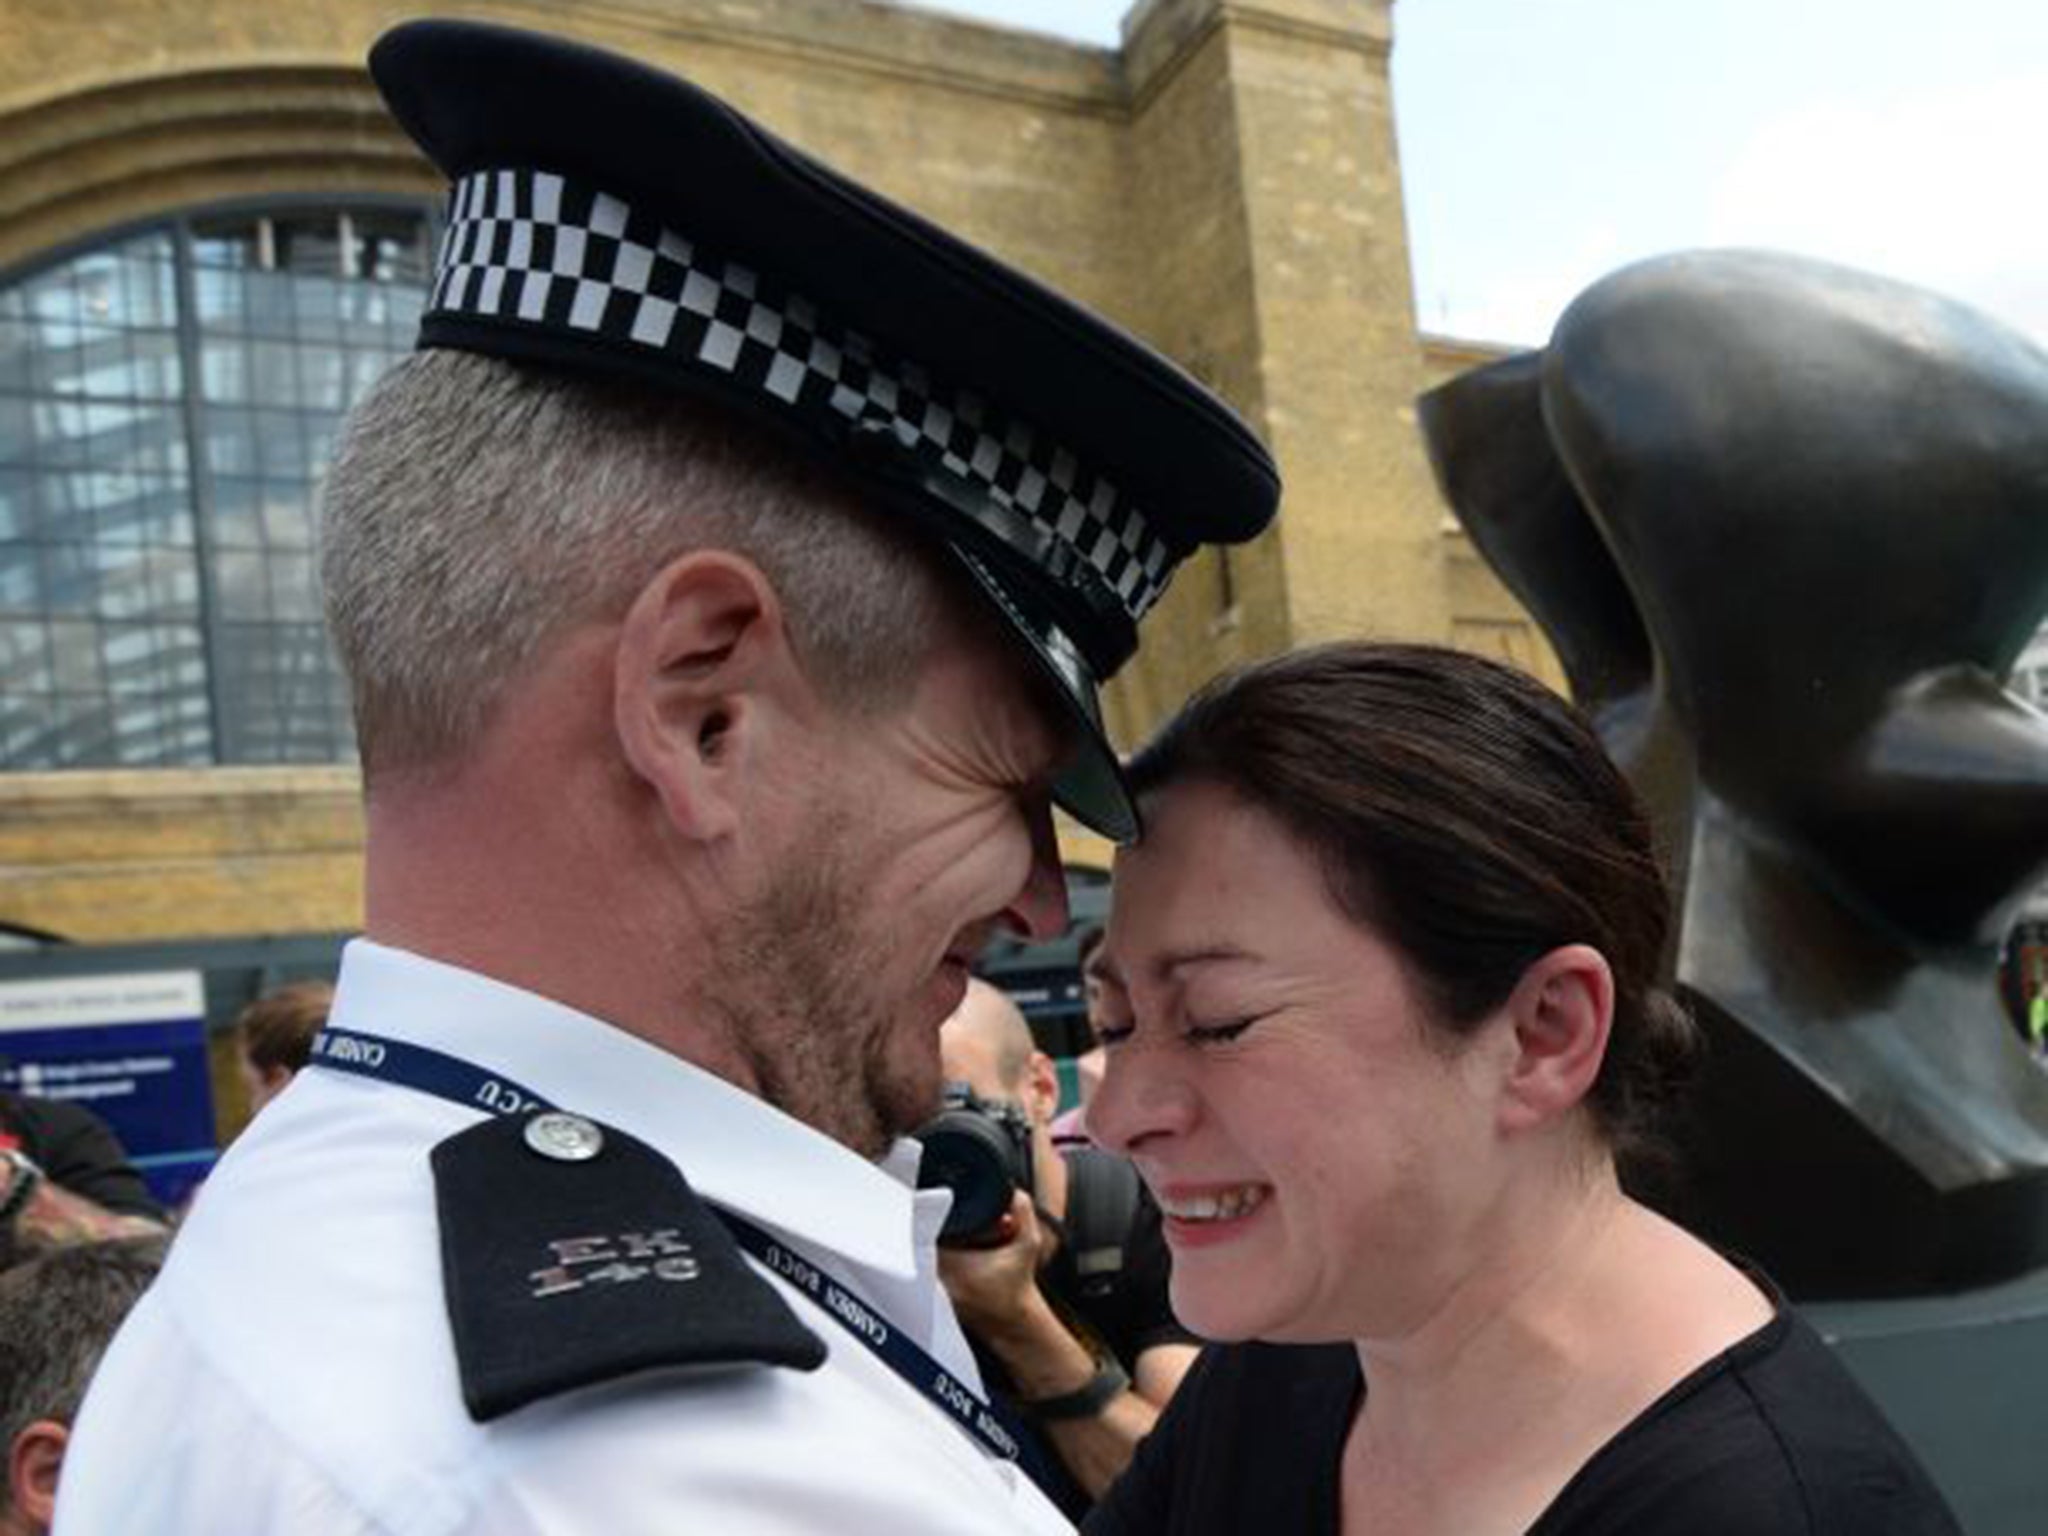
pixel 426 1070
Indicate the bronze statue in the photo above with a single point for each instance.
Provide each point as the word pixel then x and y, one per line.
pixel 1787 528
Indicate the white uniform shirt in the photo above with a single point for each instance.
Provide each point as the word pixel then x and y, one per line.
pixel 293 1369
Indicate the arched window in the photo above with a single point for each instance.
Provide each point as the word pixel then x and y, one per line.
pixel 168 398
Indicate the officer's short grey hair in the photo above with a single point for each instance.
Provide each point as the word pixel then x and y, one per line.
pixel 477 507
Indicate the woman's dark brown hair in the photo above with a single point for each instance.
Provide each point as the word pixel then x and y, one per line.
pixel 1465 814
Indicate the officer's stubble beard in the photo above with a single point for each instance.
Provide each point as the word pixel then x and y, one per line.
pixel 793 984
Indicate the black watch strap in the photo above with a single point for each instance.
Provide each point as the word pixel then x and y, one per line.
pixel 1086 1400
pixel 22 1183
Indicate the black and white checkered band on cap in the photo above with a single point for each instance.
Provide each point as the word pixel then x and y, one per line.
pixel 540 248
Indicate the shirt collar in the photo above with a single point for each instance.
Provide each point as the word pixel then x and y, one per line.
pixel 735 1150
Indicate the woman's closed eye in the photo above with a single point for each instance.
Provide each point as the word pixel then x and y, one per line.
pixel 1221 1033
pixel 1110 1036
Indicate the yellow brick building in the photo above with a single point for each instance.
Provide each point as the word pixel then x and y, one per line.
pixel 1225 185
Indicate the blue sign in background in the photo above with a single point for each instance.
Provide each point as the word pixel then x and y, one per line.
pixel 150 1082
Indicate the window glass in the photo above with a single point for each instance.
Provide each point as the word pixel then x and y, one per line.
pixel 219 297
pixel 232 241
pixel 167 404
pixel 240 587
pixel 149 277
pixel 235 523
pixel 24 654
pixel 18 434
pixel 267 307
pixel 323 376
pixel 20 562
pixel 318 310
pixel 17 350
pixel 27 728
pixel 392 251
pixel 287 516
pixel 308 243
pixel 75 656
pixel 224 370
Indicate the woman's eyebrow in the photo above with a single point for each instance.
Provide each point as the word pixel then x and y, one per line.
pixel 1164 966
pixel 1202 954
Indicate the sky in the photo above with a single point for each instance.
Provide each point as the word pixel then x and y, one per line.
pixel 1545 143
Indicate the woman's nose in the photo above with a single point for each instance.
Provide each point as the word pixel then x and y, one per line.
pixel 1138 1101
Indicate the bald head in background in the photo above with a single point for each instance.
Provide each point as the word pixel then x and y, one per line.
pixel 987 1044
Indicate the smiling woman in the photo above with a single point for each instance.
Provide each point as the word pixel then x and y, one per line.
pixel 1382 1021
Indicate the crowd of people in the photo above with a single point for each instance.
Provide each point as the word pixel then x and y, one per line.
pixel 81 1238
pixel 58 1309
pixel 725 587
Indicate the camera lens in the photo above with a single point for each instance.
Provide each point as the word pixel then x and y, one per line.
pixel 967 1152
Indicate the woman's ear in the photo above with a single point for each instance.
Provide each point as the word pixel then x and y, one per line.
pixel 700 651
pixel 1561 1011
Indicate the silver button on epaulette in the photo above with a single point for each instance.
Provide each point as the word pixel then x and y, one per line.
pixel 565 1138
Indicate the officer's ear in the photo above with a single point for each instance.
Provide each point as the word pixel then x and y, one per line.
pixel 34 1462
pixel 703 663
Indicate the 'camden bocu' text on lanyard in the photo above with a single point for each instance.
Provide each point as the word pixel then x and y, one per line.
pixel 425 1070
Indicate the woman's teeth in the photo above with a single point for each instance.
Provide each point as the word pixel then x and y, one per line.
pixel 1226 1206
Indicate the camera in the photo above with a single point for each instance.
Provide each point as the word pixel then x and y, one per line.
pixel 981 1150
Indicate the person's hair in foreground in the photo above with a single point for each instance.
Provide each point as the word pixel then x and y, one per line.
pixel 1470 817
pixel 57 1312
pixel 1382 1012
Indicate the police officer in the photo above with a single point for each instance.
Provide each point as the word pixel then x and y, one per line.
pixel 724 587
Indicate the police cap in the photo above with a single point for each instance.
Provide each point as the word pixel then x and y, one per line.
pixel 611 219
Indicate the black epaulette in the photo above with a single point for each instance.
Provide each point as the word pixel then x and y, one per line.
pixel 573 1254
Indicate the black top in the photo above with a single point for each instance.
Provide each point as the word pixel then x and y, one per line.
pixel 1126 1317
pixel 78 1151
pixel 1771 1438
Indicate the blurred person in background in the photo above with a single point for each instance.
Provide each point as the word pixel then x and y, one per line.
pixel 65 1178
pixel 57 1312
pixel 1383 1021
pixel 1070 1126
pixel 1065 1299
pixel 274 1034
